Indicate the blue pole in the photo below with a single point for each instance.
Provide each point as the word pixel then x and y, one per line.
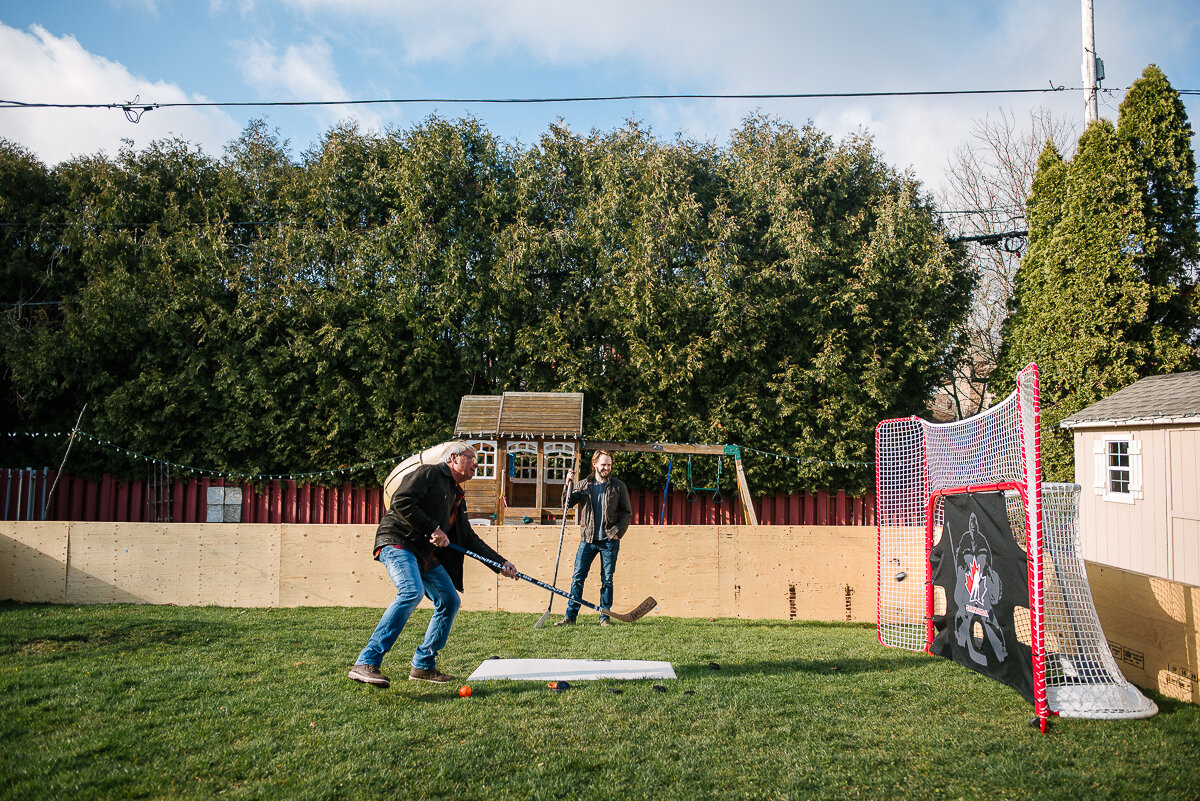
pixel 666 489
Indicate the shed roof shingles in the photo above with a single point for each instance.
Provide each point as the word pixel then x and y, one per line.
pixel 1157 397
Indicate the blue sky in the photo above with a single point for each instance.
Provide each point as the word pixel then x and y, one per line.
pixel 109 51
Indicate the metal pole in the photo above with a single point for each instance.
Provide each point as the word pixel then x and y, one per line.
pixel 1091 111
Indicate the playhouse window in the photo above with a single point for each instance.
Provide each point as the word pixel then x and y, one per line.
pixel 560 458
pixel 485 450
pixel 522 461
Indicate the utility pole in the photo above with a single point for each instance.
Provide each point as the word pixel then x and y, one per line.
pixel 1090 63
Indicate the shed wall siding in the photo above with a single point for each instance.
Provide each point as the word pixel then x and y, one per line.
pixel 1183 509
pixel 1157 534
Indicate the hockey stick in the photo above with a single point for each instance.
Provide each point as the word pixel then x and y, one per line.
pixel 637 612
pixel 561 533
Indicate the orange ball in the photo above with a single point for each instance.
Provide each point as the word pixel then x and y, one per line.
pixel 464 691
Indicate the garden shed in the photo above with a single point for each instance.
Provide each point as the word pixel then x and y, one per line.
pixel 527 443
pixel 1137 458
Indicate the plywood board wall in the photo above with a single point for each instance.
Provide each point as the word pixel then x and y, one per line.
pixel 238 568
pixel 33 562
pixel 1152 627
pixel 331 566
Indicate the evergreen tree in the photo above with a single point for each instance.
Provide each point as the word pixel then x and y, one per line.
pixel 1153 127
pixel 1104 295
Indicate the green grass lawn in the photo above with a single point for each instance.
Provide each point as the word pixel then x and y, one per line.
pixel 165 702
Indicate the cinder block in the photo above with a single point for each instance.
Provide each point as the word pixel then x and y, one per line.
pixel 233 495
pixel 216 495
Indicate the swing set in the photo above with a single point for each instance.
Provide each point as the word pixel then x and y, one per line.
pixel 693 492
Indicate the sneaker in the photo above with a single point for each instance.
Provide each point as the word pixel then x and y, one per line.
pixel 369 674
pixel 605 622
pixel 566 621
pixel 417 674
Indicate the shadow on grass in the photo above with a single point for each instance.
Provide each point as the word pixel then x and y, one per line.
pixel 59 636
pixel 893 663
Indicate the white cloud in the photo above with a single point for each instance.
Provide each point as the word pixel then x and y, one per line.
pixel 36 66
pixel 755 46
pixel 301 72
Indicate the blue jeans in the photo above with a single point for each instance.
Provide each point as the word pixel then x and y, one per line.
pixel 411 585
pixel 607 550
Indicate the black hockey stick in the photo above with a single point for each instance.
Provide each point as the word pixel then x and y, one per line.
pixel 561 532
pixel 628 617
pixel 542 620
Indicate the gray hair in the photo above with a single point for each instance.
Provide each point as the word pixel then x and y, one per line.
pixel 456 448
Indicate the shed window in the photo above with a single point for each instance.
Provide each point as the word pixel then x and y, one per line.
pixel 1118 468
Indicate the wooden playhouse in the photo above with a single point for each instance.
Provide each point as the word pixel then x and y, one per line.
pixel 528 444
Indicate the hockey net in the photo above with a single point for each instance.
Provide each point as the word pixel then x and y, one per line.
pixel 918 462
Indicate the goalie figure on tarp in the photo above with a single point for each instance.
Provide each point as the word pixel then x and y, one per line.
pixel 984 575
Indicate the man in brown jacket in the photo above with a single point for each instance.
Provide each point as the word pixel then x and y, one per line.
pixel 604 515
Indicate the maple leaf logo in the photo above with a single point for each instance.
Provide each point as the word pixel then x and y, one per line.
pixel 973 577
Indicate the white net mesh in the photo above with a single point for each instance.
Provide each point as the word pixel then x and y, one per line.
pixel 914 460
pixel 1082 678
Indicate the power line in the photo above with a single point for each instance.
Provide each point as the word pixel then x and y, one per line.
pixel 135 108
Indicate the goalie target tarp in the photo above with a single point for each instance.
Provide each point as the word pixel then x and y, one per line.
pixel 984 575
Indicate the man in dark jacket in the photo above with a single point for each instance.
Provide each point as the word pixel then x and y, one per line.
pixel 604 515
pixel 426 513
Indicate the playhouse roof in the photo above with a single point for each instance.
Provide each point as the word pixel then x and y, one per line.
pixel 1156 399
pixel 557 415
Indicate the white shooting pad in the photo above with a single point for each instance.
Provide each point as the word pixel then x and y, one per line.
pixel 571 669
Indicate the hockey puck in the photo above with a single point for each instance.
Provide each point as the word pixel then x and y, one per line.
pixel 901 576
pixel 713 666
pixel 658 688
pixel 614 690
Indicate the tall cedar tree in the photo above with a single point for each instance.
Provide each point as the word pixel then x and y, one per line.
pixel 1106 293
pixel 268 314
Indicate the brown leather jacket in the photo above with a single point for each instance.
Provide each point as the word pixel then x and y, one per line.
pixel 618 511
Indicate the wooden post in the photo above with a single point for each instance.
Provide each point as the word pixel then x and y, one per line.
pixel 748 516
pixel 501 479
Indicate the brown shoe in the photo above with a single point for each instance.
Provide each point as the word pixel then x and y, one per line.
pixel 369 674
pixel 566 621
pixel 417 674
pixel 605 622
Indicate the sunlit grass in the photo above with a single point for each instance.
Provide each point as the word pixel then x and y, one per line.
pixel 158 702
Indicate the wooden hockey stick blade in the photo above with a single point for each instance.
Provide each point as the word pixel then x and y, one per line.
pixel 637 612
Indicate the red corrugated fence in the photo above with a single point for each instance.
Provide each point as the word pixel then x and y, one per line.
pixel 27 492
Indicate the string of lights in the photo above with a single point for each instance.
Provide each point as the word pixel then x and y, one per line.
pixel 343 469
pixel 205 471
pixel 805 459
